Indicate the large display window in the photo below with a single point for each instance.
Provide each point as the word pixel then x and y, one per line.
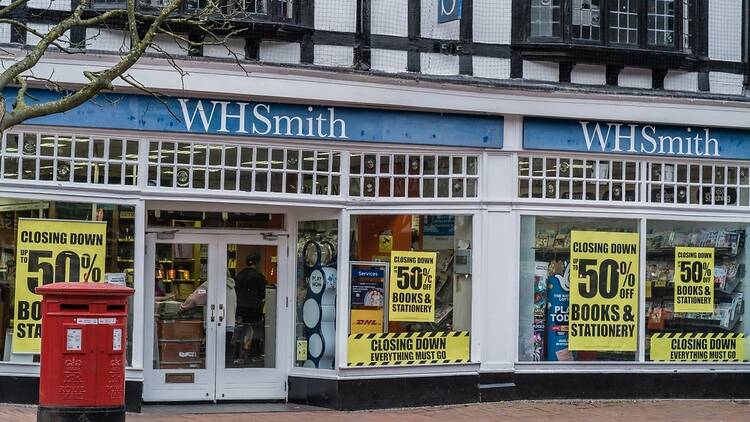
pixel 50 263
pixel 695 291
pixel 579 289
pixel 410 298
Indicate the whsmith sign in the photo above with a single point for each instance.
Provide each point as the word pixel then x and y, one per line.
pixel 635 138
pixel 264 119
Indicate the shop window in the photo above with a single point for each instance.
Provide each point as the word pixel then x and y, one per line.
pixel 698 184
pixel 317 275
pixel 695 291
pixel 558 291
pixel 411 289
pixel 374 175
pixel 243 168
pixel 69 159
pixel 666 23
pixel 118 262
pixel 578 178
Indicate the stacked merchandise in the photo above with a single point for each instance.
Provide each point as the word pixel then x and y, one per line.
pixel 729 271
pixel 180 338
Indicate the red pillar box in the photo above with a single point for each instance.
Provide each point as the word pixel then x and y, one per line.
pixel 82 373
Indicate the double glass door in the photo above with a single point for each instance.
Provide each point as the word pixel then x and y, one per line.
pixel 218 302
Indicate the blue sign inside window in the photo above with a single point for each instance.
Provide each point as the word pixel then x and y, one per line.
pixel 449 10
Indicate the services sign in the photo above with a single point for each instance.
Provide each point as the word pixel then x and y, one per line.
pixel 52 251
pixel 412 286
pixel 415 348
pixel 603 291
pixel 697 347
pixel 693 279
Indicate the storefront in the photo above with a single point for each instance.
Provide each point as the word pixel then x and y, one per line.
pixel 362 258
pixel 290 250
pixel 632 259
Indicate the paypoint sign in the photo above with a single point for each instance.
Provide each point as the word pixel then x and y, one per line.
pixel 52 251
pixel 603 291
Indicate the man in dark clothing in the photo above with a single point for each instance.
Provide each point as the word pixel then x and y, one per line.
pixel 251 293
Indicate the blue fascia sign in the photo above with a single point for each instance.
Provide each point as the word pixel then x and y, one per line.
pixel 272 120
pixel 650 139
pixel 449 10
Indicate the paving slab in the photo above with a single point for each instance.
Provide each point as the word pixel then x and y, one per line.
pixel 559 411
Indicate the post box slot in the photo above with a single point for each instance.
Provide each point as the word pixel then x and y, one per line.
pixel 74 307
pixel 113 308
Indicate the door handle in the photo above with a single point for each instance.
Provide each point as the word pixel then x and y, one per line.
pixel 221 315
pixel 213 312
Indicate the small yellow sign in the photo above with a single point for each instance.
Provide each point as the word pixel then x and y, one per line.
pixel 52 251
pixel 603 291
pixel 367 321
pixel 385 243
pixel 697 347
pixel 409 348
pixel 693 279
pixel 301 350
pixel 411 296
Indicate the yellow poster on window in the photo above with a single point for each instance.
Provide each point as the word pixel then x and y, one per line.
pixel 603 313
pixel 52 251
pixel 411 296
pixel 415 348
pixel 693 279
pixel 697 347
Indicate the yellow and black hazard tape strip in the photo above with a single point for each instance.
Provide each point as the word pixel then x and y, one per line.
pixel 406 335
pixel 696 335
pixel 411 334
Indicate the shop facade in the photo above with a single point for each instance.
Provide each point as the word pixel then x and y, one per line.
pixel 287 251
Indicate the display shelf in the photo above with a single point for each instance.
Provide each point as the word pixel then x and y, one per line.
pixel 680 324
pixel 667 252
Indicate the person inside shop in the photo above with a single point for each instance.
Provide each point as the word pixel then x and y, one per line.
pixel 251 294
pixel 198 299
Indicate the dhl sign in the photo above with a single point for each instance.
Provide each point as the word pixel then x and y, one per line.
pixel 366 321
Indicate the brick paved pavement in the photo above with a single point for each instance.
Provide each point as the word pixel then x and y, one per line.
pixel 527 411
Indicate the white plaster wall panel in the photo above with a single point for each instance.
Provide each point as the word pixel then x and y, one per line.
pixel 587 75
pixel 492 21
pixel 334 55
pixel 392 61
pixel 633 77
pixel 169 45
pixel 233 47
pixel 43 28
pixel 439 64
pixel 336 15
pixel 541 71
pixel 491 67
pixel 49 4
pixel 725 83
pixel 390 17
pixel 104 39
pixel 4 33
pixel 681 81
pixel 432 29
pixel 725 30
pixel 279 52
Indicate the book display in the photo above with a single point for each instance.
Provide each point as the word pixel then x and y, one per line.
pixel 730 263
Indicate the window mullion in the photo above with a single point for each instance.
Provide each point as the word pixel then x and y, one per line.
pixel 604 21
pixel 642 26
